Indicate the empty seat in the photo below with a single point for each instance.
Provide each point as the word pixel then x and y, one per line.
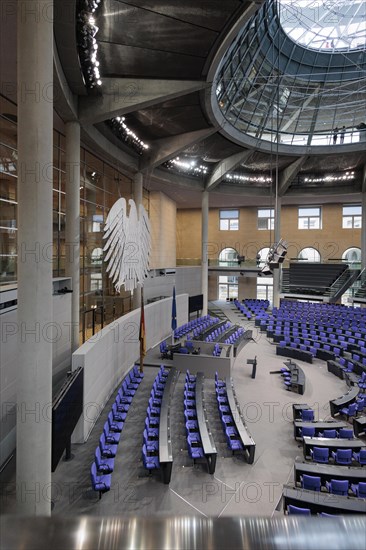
pixel 338 486
pixel 295 510
pixel 114 425
pixel 320 454
pixel 107 450
pixel 307 431
pixel 350 410
pixel 111 436
pixel 345 433
pixel 359 489
pixel 119 413
pixel 342 456
pixel 100 482
pixel 150 459
pixel 104 465
pixel 331 434
pixel 360 457
pixel 312 483
pixel 307 415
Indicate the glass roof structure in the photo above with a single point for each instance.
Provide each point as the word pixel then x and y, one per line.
pixel 328 25
pixel 269 88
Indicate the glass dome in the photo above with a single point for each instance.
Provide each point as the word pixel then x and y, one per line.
pixel 272 89
pixel 330 25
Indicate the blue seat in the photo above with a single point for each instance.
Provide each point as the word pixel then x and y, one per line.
pixel 191 426
pixel 338 486
pixel 312 483
pixel 137 373
pixel 189 404
pixel 114 425
pixel 325 515
pixel 100 482
pixel 360 457
pixel 295 510
pixel 130 392
pixel 342 456
pixel 195 449
pixel 345 433
pixel 111 436
pixel 359 489
pixel 151 444
pixel 119 415
pixel 307 431
pixel 107 450
pixel 131 384
pixel 320 454
pixel 123 399
pixel 150 459
pixel 104 465
pixel 350 410
pixel 331 434
pixel 190 414
pixel 152 431
pixel 307 415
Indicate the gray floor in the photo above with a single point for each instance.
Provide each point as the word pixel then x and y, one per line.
pixel 236 488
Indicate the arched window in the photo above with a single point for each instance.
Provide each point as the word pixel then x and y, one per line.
pixel 352 255
pixel 309 254
pixel 228 256
pixel 97 256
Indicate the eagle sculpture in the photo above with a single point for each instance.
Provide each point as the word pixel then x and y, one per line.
pixel 128 244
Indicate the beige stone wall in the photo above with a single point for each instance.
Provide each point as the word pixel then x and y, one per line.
pixel 247 287
pixel 164 229
pixel 213 287
pixel 331 240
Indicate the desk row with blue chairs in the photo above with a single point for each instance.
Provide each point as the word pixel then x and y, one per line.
pixel 195 326
pixel 334 486
pixel 216 334
pixel 103 465
pixel 150 445
pixel 194 443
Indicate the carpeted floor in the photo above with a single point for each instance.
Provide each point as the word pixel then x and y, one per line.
pixel 236 488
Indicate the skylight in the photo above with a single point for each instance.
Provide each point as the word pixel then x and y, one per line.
pixel 326 25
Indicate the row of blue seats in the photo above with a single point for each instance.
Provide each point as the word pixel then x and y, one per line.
pixel 150 444
pixel 297 511
pixel 235 337
pixel 103 465
pixel 215 334
pixel 231 433
pixel 217 350
pixel 200 324
pixel 334 486
pixel 194 443
pixel 342 457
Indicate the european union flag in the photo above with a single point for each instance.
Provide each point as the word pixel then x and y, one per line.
pixel 174 312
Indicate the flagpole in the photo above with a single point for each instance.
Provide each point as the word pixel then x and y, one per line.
pixel 142 332
pixel 174 316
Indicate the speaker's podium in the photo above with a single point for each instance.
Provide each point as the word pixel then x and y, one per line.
pixel 254 363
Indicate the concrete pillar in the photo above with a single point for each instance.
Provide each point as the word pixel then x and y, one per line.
pixel 137 196
pixel 72 232
pixel 363 232
pixel 34 381
pixel 204 263
pixel 277 237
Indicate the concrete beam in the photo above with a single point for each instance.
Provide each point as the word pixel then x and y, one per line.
pixel 288 174
pixel 125 95
pixel 225 166
pixel 166 148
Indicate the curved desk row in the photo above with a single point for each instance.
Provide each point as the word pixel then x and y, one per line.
pixel 208 443
pixel 165 443
pixel 319 426
pixel 332 444
pixel 337 404
pixel 295 353
pixel 322 502
pixel 245 437
pixel 326 472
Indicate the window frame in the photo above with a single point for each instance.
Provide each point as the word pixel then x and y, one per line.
pixel 269 219
pixel 351 217
pixel 309 217
pixel 230 220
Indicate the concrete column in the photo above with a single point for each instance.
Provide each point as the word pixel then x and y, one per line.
pixel 204 263
pixel 363 232
pixel 137 196
pixel 72 233
pixel 34 380
pixel 277 236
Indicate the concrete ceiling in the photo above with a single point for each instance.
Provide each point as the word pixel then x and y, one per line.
pixel 143 46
